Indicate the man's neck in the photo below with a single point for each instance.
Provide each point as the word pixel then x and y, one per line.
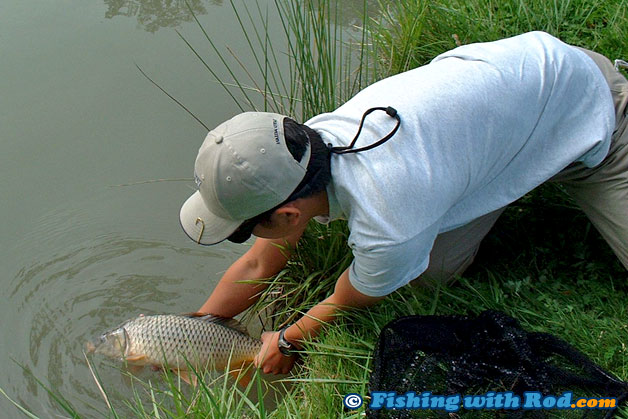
pixel 317 205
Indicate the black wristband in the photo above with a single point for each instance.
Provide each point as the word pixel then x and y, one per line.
pixel 286 348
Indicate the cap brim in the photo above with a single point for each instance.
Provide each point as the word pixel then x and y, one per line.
pixel 203 226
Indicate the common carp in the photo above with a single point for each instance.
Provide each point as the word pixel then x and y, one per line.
pixel 179 342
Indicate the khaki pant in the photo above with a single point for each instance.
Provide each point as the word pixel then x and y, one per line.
pixel 601 192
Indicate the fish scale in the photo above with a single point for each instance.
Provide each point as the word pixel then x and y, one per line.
pixel 179 340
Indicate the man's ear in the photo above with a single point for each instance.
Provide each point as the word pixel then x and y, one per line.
pixel 289 212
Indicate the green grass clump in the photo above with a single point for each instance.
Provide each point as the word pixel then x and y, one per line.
pixel 409 33
pixel 167 395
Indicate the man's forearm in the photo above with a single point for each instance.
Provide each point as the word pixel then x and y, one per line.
pixel 309 325
pixel 234 294
pixel 344 297
pixel 237 289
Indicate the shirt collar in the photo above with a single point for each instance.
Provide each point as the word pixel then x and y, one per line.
pixel 335 212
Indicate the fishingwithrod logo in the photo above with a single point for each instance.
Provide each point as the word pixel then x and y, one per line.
pixel 531 400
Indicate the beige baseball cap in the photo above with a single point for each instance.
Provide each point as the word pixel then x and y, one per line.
pixel 242 170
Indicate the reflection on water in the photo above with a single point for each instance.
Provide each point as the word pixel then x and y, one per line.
pixel 350 13
pixel 154 14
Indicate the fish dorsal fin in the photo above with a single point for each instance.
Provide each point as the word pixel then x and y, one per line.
pixel 223 321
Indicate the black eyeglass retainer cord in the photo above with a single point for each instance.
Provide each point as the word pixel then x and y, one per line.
pixel 390 111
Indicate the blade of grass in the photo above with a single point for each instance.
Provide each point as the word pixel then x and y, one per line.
pixel 171 97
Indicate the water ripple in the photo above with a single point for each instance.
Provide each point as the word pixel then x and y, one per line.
pixel 66 299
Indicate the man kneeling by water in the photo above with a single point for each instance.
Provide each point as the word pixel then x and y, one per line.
pixel 420 165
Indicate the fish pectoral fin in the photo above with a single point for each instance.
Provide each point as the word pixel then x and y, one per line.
pixel 243 374
pixel 185 375
pixel 135 359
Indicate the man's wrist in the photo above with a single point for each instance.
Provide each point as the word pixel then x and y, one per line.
pixel 286 347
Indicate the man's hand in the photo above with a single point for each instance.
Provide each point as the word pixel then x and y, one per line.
pixel 269 359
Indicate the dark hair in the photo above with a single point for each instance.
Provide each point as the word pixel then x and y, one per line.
pixel 318 172
pixel 317 176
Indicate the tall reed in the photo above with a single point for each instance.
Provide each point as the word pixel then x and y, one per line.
pixel 314 67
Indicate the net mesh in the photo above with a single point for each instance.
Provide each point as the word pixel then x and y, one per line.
pixel 447 355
